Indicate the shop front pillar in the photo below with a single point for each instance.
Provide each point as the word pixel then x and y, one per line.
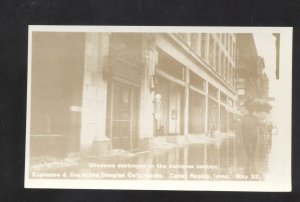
pixel 186 102
pixel 93 120
pixel 219 112
pixel 206 108
pixel 227 124
pixel 146 130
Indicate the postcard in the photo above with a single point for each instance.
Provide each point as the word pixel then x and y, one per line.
pixel 159 108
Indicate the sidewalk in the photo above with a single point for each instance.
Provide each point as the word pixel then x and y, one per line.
pixel 159 145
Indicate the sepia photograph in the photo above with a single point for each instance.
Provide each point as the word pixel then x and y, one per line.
pixel 159 108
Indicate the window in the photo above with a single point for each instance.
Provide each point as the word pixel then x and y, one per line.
pixel 181 35
pixel 230 102
pixel 223 97
pixel 230 73
pixel 222 64
pixel 194 42
pixel 212 91
pixel 241 92
pixel 211 51
pixel 234 52
pixel 188 39
pixel 225 69
pixel 203 45
pixel 241 80
pixel 197 81
pixel 217 62
pixel 230 45
pixel 185 37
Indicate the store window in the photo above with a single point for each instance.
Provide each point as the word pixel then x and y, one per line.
pixel 212 91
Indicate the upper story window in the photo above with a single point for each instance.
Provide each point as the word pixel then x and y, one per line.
pixel 223 97
pixel 217 61
pixel 194 42
pixel 212 91
pixel 186 37
pixel 222 65
pixel 211 51
pixel 229 44
pixel 223 38
pixel 181 35
pixel 197 82
pixel 225 69
pixel 234 51
pixel 203 45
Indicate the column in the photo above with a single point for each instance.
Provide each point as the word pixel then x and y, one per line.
pixel 198 42
pixel 186 102
pixel 233 75
pixel 94 92
pixel 219 111
pixel 207 47
pixel 188 39
pixel 206 108
pixel 146 103
pixel 227 127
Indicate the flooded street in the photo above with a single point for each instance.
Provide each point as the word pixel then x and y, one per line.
pixel 223 159
pixel 158 108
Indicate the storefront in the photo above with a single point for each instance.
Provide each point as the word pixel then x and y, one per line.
pixel 169 97
pixel 197 104
pixel 196 113
pixel 123 91
pixel 122 115
pixel 224 119
pixel 213 114
pixel 168 108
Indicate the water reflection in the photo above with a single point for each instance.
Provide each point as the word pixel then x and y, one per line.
pixel 224 159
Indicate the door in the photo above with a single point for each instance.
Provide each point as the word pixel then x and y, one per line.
pixel 123 119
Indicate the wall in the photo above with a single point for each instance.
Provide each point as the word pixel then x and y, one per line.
pixel 56 92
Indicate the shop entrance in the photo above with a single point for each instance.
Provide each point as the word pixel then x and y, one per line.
pixel 170 111
pixel 122 113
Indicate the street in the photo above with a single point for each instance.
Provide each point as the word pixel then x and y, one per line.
pixel 220 159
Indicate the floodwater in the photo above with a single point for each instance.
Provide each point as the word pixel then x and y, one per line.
pixel 222 159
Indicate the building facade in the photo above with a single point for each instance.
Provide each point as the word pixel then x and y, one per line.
pixel 251 79
pixel 91 92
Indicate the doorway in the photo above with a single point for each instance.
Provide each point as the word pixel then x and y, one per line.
pixel 170 121
pixel 122 115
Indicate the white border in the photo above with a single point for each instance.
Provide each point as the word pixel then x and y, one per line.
pixel 282 183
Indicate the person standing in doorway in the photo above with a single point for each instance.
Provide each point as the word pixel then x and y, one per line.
pixel 249 130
